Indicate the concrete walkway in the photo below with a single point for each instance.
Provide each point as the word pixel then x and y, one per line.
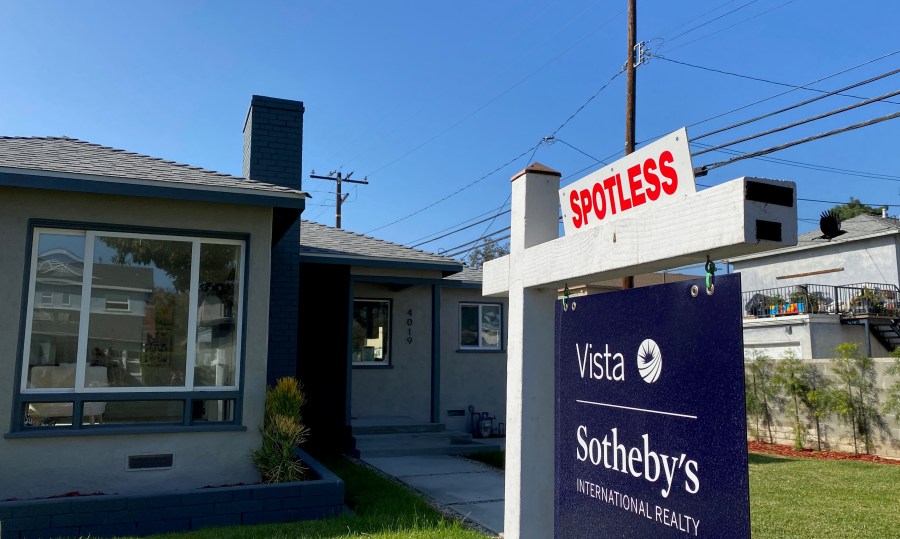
pixel 472 489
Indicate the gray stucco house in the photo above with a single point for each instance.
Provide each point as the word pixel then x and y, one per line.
pixel 824 291
pixel 398 333
pixel 146 305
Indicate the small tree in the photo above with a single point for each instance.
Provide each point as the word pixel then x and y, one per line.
pixel 820 401
pixel 282 431
pixel 792 377
pixel 892 402
pixel 856 399
pixel 760 391
pixel 488 250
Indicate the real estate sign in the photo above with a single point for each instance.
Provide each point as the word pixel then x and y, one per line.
pixel 655 175
pixel 650 422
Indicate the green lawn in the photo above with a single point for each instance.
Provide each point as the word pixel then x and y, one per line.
pixel 381 510
pixel 809 498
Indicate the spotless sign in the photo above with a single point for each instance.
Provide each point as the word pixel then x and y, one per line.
pixel 650 422
pixel 656 174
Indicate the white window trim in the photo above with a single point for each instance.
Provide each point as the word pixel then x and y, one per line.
pixel 84 322
pixel 479 346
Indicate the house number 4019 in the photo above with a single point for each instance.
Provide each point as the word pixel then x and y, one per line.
pixel 409 326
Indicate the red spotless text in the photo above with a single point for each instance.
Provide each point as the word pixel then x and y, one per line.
pixel 656 173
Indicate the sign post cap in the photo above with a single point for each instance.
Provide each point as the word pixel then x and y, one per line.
pixel 536 168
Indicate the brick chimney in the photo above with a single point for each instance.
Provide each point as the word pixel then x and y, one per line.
pixel 273 141
pixel 273 153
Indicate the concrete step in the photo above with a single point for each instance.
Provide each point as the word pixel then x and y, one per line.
pixel 393 425
pixel 427 443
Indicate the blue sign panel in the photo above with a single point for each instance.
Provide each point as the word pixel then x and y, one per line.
pixel 651 436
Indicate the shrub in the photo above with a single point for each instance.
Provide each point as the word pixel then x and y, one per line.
pixel 760 392
pixel 856 394
pixel 282 431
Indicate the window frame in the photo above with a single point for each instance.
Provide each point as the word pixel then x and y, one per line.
pixel 479 347
pixel 388 338
pixel 81 394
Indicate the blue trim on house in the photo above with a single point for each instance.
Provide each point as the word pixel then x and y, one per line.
pixel 357 260
pixel 184 191
pixel 435 354
pixel 405 280
pixel 349 346
pixel 17 427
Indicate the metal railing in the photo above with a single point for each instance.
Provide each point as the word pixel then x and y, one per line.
pixel 860 299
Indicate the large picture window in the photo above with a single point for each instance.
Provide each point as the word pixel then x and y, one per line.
pixel 480 326
pixel 371 332
pixel 150 314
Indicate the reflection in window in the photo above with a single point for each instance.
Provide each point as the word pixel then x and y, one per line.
pixel 216 321
pixel 371 331
pixel 480 326
pixel 112 312
pixel 140 289
pixel 58 268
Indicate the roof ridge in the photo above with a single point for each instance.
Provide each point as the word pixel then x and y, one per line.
pixel 377 239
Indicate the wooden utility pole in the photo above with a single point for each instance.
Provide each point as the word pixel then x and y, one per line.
pixel 630 90
pixel 339 198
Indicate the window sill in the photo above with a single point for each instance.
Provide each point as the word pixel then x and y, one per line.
pixel 480 351
pixel 372 366
pixel 116 430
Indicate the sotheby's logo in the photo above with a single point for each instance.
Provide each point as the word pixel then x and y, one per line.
pixel 649 361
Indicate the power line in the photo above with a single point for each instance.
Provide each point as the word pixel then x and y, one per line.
pixel 800 122
pixel 586 103
pixel 713 20
pixel 696 18
pixel 748 19
pixel 759 79
pixel 812 166
pixel 458 191
pixel 703 170
pixel 451 227
pixel 460 229
pixel 498 96
pixel 473 242
pixel 834 202
pixel 748 105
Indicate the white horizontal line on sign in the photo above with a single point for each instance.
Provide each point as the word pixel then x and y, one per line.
pixel 636 409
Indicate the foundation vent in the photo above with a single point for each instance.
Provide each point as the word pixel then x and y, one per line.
pixel 151 462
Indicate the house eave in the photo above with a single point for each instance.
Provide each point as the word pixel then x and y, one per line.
pixel 59 181
pixel 800 248
pixel 377 262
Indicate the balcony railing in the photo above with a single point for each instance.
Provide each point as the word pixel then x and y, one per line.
pixel 861 299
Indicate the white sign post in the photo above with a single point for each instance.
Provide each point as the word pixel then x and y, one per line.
pixel 742 216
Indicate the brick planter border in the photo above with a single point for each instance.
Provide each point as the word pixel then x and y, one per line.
pixel 136 515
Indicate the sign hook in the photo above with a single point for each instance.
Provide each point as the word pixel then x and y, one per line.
pixel 710 275
pixel 565 298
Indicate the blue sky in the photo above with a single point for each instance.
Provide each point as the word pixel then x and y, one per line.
pixel 426 98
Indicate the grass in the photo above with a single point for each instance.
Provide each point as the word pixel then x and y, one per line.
pixel 810 498
pixel 381 510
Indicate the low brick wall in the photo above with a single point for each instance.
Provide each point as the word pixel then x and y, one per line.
pixel 114 515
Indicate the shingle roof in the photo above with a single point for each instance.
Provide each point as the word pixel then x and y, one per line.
pixel 467 275
pixel 855 229
pixel 325 242
pixel 72 156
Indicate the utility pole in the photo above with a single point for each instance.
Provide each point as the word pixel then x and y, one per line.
pixel 630 90
pixel 336 177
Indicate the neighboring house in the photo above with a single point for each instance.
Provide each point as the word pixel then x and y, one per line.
pixel 811 297
pixel 391 331
pixel 138 331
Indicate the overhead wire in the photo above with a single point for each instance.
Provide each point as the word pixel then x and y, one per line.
pixel 454 193
pixel 460 229
pixel 713 20
pixel 748 19
pixel 769 81
pixel 799 122
pixel 802 86
pixel 702 170
pixel 451 227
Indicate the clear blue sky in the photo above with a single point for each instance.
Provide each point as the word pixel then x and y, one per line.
pixel 424 98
